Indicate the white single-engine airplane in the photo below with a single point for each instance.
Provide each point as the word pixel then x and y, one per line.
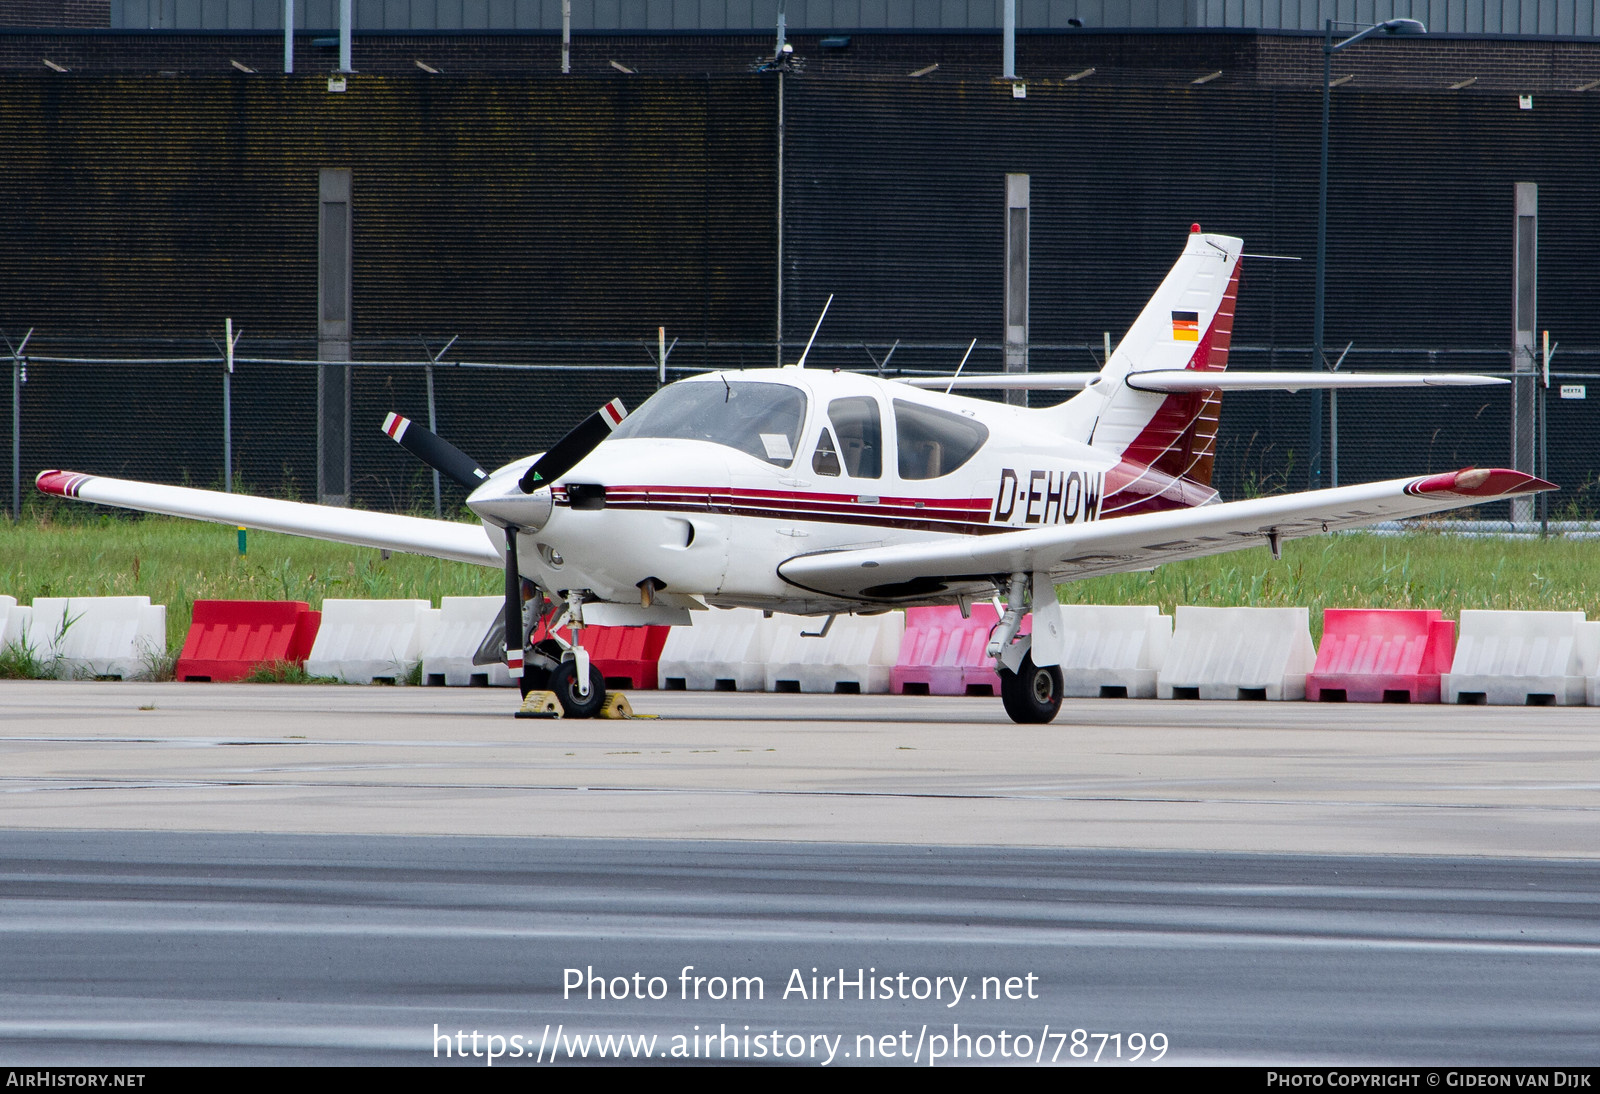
pixel 820 492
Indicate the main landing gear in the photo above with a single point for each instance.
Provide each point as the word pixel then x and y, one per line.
pixel 1030 693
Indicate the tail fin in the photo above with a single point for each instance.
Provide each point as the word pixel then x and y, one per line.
pixel 1188 324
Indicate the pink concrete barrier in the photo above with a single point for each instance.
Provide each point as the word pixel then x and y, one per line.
pixel 1372 655
pixel 943 654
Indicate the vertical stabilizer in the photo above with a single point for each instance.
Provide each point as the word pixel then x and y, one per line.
pixel 1188 324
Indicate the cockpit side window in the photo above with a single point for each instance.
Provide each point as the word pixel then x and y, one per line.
pixel 860 435
pixel 826 459
pixel 760 419
pixel 931 442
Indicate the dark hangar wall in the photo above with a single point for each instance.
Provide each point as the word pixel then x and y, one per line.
pixel 536 218
pixel 895 195
pixel 561 221
pixel 508 208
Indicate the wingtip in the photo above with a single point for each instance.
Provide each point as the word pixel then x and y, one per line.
pixel 1481 482
pixel 63 484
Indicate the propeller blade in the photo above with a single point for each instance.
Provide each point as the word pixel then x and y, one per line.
pixel 435 451
pixel 513 608
pixel 566 453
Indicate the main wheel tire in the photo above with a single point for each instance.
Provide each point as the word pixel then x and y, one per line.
pixel 1032 695
pixel 564 682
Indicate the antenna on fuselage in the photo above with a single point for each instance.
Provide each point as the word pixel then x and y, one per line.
pixel 961 366
pixel 802 362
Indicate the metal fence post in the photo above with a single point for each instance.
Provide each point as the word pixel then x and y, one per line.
pixel 16 438
pixel 433 421
pixel 1544 451
pixel 19 376
pixel 1333 425
pixel 227 406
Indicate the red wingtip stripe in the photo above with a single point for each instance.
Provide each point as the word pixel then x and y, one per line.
pixel 1480 482
pixel 61 483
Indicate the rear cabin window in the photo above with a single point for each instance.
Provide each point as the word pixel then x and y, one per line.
pixel 934 442
pixel 860 435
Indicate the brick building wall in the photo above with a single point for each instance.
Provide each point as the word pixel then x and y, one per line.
pixel 1148 59
pixel 1434 63
pixel 55 13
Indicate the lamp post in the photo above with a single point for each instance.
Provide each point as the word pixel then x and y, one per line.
pixel 1393 27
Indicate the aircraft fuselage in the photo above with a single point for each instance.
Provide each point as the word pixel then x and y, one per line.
pixel 810 462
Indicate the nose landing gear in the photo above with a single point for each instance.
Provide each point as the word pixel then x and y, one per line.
pixel 573 686
pixel 574 702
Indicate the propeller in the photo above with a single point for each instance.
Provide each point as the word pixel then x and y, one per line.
pixel 566 453
pixel 449 460
pixel 435 451
pixel 513 610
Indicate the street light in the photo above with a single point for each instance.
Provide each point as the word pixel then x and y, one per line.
pixel 1394 28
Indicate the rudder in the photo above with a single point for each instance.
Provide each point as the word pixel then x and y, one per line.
pixel 1188 324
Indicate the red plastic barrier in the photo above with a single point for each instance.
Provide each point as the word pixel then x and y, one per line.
pixel 230 639
pixel 626 656
pixel 1372 655
pixel 943 654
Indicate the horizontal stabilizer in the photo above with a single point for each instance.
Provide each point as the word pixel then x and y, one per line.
pixel 1178 381
pixel 1171 381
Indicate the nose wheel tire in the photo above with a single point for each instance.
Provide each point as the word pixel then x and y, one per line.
pixel 564 682
pixel 1031 695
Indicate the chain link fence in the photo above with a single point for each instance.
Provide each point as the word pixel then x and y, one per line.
pixel 170 412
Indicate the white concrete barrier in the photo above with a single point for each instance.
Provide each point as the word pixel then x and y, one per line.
pixel 454 637
pixel 121 637
pixel 724 650
pixel 362 641
pixel 855 656
pixel 1523 659
pixel 14 621
pixel 1112 652
pixel 1238 653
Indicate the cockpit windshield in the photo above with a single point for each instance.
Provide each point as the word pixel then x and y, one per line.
pixel 760 419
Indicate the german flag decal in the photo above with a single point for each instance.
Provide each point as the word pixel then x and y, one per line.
pixel 1186 326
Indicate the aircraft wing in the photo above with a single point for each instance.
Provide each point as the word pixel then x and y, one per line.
pixel 414 535
pixel 1068 552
